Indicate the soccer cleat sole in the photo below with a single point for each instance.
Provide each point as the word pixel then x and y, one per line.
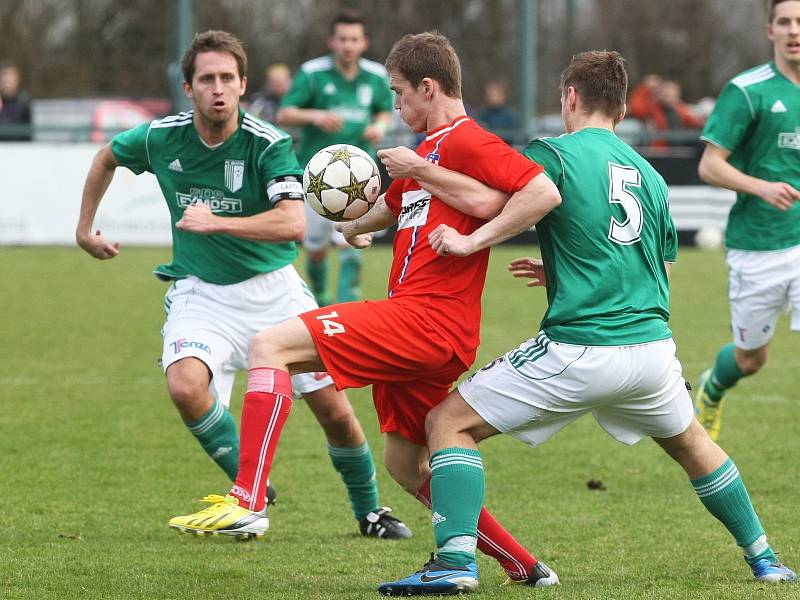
pixel 459 588
pixel 252 530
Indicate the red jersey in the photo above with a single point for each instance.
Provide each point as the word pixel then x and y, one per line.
pixel 449 288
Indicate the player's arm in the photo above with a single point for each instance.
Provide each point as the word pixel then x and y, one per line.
pixel 523 210
pixel 294 116
pixel 285 222
pixel 455 189
pixel 358 232
pixel 715 170
pixel 97 181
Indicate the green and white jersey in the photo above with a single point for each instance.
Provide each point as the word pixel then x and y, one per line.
pixel 605 246
pixel 757 118
pixel 320 85
pixel 244 176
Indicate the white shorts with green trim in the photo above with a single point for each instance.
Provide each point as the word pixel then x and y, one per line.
pixel 542 386
pixel 214 323
pixel 761 286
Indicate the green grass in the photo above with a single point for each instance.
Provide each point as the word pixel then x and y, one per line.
pixel 94 460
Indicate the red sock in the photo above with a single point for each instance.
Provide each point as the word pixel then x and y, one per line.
pixel 266 407
pixel 494 540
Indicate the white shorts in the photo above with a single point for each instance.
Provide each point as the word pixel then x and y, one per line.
pixel 542 386
pixel 214 323
pixel 320 232
pixel 762 285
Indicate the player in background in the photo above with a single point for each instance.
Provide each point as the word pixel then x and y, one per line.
pixel 413 345
pixel 232 186
pixel 340 98
pixel 753 147
pixel 604 347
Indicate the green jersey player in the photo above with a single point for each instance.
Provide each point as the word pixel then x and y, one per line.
pixel 340 98
pixel 604 347
pixel 753 147
pixel 231 183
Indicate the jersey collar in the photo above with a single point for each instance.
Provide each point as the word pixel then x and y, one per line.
pixel 434 133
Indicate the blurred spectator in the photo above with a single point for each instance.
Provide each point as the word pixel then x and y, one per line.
pixel 15 106
pixel 496 114
pixel 658 104
pixel 277 80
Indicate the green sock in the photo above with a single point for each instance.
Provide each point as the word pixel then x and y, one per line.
pixel 457 489
pixel 722 492
pixel 725 374
pixel 349 285
pixel 216 432
pixel 358 474
pixel 318 278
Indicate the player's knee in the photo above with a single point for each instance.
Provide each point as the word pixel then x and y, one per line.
pixel 751 362
pixel 187 394
pixel 265 346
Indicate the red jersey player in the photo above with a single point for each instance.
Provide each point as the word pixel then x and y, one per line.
pixel 412 346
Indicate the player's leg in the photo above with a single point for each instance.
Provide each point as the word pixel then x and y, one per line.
pixel 348 287
pixel 315 244
pixel 758 289
pixel 719 486
pixel 352 458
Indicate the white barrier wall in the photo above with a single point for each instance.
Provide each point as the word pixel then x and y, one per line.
pixel 40 197
pixel 41 185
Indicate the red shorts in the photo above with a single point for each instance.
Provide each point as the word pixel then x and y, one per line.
pixel 391 345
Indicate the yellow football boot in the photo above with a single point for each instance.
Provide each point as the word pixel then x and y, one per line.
pixel 223 517
pixel 708 412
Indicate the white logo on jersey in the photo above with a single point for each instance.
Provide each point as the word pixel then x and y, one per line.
pixel 175 165
pixel 415 209
pixel 437 518
pixel 214 199
pixel 329 89
pixel 234 174
pixel 789 140
pixel 778 107
pixel 364 94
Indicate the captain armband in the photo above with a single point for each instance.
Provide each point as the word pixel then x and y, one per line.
pixel 287 187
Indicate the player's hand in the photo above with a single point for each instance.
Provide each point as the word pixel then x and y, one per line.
pixel 198 218
pixel 374 133
pixel 400 162
pixel 446 241
pixel 356 240
pixel 327 120
pixel 530 268
pixel 778 194
pixel 97 245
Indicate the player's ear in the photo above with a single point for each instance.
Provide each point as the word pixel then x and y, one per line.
pixel 621 116
pixel 244 86
pixel 187 89
pixel 427 87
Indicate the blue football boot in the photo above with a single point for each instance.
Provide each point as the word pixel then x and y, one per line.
pixel 434 578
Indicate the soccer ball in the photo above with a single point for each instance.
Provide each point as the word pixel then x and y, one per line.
pixel 709 238
pixel 341 182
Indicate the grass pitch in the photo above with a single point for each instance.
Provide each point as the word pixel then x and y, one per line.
pixel 94 460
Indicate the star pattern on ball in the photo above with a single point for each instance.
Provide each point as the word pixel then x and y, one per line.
pixel 316 185
pixel 342 154
pixel 354 191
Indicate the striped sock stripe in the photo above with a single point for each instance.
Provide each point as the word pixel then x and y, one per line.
pixel 348 451
pixel 264 447
pixel 213 416
pixel 719 483
pixel 456 458
pixel 464 463
pixel 522 571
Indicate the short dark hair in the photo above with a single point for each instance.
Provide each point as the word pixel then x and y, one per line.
pixel 428 54
pixel 600 79
pixel 771 4
pixel 348 16
pixel 213 41
pixel 7 64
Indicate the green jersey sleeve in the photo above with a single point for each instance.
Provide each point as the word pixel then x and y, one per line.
pixel 542 152
pixel 300 93
pixel 730 122
pixel 281 173
pixel 130 149
pixel 670 241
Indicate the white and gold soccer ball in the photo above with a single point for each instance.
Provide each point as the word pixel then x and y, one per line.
pixel 341 182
